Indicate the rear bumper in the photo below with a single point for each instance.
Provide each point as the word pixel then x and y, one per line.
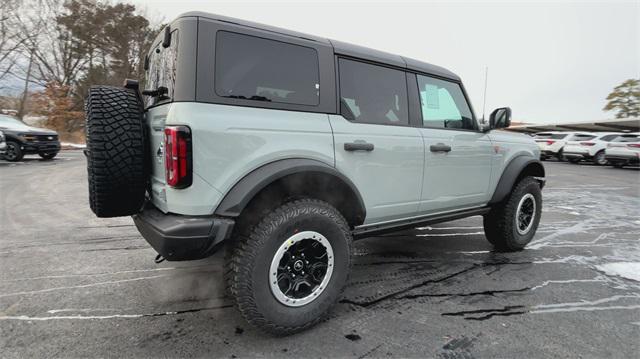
pixel 179 238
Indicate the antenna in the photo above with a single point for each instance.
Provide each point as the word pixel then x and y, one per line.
pixel 484 97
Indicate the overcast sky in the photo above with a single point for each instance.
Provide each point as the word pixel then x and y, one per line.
pixel 548 61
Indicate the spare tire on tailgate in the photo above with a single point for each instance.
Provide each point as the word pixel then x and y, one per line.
pixel 115 151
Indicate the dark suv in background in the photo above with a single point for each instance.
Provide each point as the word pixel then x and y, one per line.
pixel 23 139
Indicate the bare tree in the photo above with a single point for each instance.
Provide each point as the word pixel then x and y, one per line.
pixel 12 40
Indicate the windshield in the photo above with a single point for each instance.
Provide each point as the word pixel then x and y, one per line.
pixel 10 122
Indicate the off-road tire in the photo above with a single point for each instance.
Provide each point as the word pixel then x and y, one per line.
pixel 47 156
pixel 500 222
pixel 17 151
pixel 115 151
pixel 249 258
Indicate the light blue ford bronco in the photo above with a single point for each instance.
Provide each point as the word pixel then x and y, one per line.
pixel 283 147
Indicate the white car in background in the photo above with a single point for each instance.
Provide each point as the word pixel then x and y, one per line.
pixel 552 143
pixel 589 149
pixel 3 144
pixel 624 150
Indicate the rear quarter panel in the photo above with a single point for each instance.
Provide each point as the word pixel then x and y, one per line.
pixel 231 141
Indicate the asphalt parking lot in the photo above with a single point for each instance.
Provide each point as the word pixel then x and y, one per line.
pixel 73 285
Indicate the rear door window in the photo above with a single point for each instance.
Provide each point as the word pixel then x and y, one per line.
pixel 258 69
pixel 373 94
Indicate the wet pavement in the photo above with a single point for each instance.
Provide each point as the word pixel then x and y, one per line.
pixel 72 285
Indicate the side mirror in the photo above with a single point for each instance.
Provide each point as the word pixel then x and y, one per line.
pixel 500 118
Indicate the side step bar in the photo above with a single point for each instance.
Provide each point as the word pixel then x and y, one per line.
pixel 373 229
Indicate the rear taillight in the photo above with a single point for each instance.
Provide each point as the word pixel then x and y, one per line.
pixel 177 156
pixel 549 142
pixel 634 145
pixel 587 143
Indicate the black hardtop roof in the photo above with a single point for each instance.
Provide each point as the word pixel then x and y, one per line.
pixel 339 47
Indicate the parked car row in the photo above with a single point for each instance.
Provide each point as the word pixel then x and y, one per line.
pixel 18 139
pixel 601 148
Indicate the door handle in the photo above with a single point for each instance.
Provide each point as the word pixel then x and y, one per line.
pixel 358 146
pixel 440 147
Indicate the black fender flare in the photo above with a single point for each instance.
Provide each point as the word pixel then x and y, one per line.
pixel 518 166
pixel 239 196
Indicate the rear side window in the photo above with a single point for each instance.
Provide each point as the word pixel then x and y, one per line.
pixel 373 94
pixel 608 138
pixel 253 68
pixel 627 138
pixel 550 136
pixel 581 137
pixel 443 104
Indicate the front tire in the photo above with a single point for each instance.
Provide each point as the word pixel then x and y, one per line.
pixel 13 152
pixel 511 225
pixel 272 288
pixel 600 158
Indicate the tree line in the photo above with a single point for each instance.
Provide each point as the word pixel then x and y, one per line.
pixel 61 47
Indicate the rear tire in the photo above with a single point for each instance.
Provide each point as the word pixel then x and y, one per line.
pixel 511 225
pixel 115 151
pixel 13 152
pixel 256 285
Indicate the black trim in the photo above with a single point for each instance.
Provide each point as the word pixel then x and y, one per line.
pixel 510 174
pixel 244 190
pixel 178 237
pixel 370 230
pixel 166 41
